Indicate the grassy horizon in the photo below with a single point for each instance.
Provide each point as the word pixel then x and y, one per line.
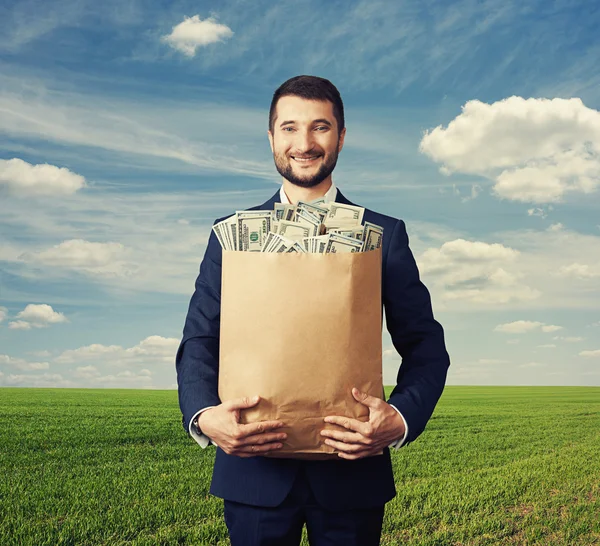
pixel 495 465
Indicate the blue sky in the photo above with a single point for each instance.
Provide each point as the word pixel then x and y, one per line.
pixel 128 127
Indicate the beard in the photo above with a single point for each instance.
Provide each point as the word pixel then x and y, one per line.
pixel 283 164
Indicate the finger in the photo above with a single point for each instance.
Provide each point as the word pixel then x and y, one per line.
pixel 241 403
pixel 259 428
pixel 351 424
pixel 256 449
pixel 354 456
pixel 348 437
pixel 260 439
pixel 342 446
pixel 366 399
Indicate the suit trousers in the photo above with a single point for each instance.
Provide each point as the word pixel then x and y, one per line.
pixel 282 525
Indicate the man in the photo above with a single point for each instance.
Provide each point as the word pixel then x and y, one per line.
pixel 268 500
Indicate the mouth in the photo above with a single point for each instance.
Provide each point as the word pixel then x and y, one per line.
pixel 305 160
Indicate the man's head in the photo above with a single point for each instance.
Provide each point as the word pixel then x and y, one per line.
pixel 306 121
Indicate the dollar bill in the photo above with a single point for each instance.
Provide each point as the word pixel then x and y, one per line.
pixel 372 237
pixel 356 232
pixel 339 213
pixel 315 227
pixel 308 219
pixel 293 230
pixel 318 211
pixel 339 243
pixel 253 229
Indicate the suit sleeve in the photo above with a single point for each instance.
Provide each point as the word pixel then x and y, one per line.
pixel 197 360
pixel 416 335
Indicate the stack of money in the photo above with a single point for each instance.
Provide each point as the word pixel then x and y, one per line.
pixel 316 227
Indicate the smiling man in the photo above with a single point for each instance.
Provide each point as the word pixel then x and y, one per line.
pixel 268 500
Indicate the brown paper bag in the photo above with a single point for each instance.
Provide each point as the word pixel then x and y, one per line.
pixel 301 330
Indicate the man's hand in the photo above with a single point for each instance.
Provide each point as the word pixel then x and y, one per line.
pixel 221 424
pixel 365 439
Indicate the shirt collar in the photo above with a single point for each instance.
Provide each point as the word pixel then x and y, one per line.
pixel 329 196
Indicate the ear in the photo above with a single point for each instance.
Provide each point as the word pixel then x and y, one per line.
pixel 341 143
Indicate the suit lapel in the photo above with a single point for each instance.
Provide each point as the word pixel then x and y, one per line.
pixel 340 198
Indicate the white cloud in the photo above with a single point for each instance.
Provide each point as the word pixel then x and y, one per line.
pixel 24 179
pixel 86 372
pixel 569 339
pixel 37 316
pixel 475 271
pixel 580 271
pixel 103 259
pixel 547 346
pixel 525 326
pixel 157 346
pixel 22 364
pixel 551 328
pixel 532 365
pixel 19 325
pixel 51 380
pixel 94 352
pixel 536 150
pixel 3 313
pixel 593 354
pixel 155 349
pixel 194 32
pixel 539 211
pixel 492 361
pixel 43 354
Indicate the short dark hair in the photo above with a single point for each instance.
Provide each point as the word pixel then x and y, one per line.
pixel 310 88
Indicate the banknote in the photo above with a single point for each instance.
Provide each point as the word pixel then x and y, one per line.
pixel 340 243
pixel 313 227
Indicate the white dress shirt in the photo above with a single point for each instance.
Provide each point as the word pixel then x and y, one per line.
pixel 205 441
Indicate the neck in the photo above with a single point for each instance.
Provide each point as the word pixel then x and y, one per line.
pixel 297 193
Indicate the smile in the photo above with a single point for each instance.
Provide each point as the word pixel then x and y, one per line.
pixel 306 160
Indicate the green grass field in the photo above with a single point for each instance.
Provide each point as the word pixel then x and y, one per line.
pixel 496 465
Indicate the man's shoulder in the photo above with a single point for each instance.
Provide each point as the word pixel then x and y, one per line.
pixel 380 219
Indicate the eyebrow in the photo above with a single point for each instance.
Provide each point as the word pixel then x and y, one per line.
pixel 320 120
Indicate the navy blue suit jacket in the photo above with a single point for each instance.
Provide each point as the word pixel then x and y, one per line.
pixel 337 484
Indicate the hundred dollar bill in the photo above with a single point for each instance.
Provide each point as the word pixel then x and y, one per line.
pixel 232 231
pixel 319 212
pixel 316 244
pixel 308 219
pixel 268 242
pixel 284 211
pixel 296 247
pixel 293 230
pixel 339 213
pixel 223 235
pixel 356 232
pixel 253 228
pixel 373 236
pixel 339 243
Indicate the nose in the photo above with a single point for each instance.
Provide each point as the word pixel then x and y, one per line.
pixel 304 142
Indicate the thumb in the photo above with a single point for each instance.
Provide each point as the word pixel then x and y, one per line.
pixel 241 403
pixel 366 399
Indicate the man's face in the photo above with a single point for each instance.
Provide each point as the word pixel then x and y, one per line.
pixel 305 140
